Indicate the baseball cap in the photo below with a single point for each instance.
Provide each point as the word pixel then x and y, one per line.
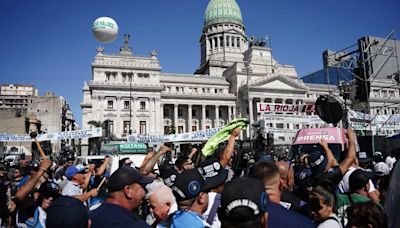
pixel 317 161
pixel 169 175
pixel 72 170
pixel 188 185
pixel 67 212
pixel 243 199
pixel 381 169
pixel 357 180
pixel 124 176
pixel 213 173
pixel 363 157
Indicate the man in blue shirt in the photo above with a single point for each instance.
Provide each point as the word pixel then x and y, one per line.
pixel 126 189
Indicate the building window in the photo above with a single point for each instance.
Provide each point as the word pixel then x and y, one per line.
pixel 110 104
pixel 166 112
pixel 204 90
pixel 384 93
pixel 216 90
pixel 376 93
pixel 126 127
pixel 177 89
pixel 194 128
pixel 207 113
pixel 238 42
pixel 194 113
pixel 227 41
pixel 126 105
pixel 111 127
pixel 195 90
pixel 221 40
pixel 142 127
pixel 391 94
pixel 279 125
pixel 180 129
pixel 219 113
pixel 215 42
pixel 207 127
pixel 166 130
pixel 142 105
pixel 180 112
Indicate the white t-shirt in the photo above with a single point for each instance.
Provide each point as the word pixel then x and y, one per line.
pixel 390 161
pixel 216 222
pixel 344 186
pixel 72 189
pixel 333 222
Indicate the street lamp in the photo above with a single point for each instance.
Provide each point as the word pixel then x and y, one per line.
pixel 247 69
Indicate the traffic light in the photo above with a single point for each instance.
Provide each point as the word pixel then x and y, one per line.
pixel 362 84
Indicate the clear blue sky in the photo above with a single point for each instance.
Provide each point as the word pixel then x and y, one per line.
pixel 50 44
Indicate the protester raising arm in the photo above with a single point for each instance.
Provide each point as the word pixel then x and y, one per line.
pixel 193 151
pixel 149 163
pixel 103 166
pixel 329 155
pixel 228 151
pixel 28 187
pixel 351 152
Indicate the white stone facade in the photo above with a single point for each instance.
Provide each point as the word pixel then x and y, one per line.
pixel 211 97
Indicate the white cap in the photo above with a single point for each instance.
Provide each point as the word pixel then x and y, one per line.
pixel 381 169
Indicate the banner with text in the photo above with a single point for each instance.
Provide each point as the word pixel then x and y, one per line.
pixel 189 136
pixel 274 107
pixel 78 134
pixel 297 119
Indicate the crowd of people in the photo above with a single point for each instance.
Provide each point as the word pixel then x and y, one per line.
pixel 313 190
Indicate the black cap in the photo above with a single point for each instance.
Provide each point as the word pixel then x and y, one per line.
pixel 126 176
pixel 357 180
pixel 188 185
pixel 363 157
pixel 243 199
pixel 213 172
pixel 169 175
pixel 67 212
pixel 317 161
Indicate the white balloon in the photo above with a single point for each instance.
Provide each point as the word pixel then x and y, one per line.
pixel 105 29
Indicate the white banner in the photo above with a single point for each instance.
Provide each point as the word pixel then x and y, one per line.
pixel 273 107
pixel 79 134
pixel 297 119
pixel 189 136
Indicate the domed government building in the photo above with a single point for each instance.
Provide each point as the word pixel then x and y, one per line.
pixel 236 72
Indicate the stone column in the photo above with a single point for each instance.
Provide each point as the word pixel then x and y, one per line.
pixel 134 115
pixel 176 117
pixel 161 119
pixel 151 115
pixel 189 118
pixel 229 113
pixel 216 121
pixel 250 115
pixel 203 117
pixel 234 111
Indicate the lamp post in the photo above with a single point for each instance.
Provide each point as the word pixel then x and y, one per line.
pixel 247 69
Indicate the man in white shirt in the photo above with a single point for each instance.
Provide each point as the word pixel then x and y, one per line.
pixel 76 178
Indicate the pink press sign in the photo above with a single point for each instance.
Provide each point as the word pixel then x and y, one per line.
pixel 314 136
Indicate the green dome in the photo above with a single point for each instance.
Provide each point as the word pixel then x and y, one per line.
pixel 219 11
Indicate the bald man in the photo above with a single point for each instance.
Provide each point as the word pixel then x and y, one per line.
pixel 289 200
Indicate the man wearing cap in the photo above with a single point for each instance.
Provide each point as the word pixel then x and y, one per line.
pixel 359 193
pixel 192 201
pixel 244 204
pixel 215 177
pixel 126 189
pixel 76 178
pixel 364 160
